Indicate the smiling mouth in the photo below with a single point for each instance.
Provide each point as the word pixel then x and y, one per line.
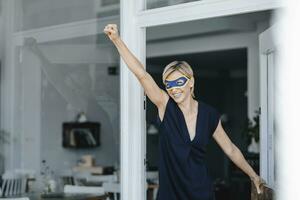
pixel 177 95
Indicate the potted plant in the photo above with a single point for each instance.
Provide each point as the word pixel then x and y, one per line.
pixel 252 134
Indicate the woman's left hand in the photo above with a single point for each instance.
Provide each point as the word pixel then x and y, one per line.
pixel 258 182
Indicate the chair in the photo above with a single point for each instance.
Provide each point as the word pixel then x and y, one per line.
pixel 66 177
pixel 267 193
pixel 75 189
pixel 12 184
pixel 152 180
pixel 69 177
pixel 109 183
pixel 81 178
pixel 113 188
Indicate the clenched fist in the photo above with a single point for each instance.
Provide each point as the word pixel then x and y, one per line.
pixel 111 30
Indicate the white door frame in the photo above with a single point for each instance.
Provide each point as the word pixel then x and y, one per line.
pixel 134 21
pixel 268 47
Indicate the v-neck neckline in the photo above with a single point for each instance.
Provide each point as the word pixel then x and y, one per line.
pixel 185 123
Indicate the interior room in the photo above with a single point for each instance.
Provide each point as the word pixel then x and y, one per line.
pixel 66 84
pixel 72 115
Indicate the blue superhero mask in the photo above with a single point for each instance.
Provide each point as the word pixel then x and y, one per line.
pixel 178 83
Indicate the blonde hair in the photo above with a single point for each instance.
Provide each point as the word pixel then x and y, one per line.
pixel 180 66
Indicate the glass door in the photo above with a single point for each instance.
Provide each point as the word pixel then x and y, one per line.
pixel 62 72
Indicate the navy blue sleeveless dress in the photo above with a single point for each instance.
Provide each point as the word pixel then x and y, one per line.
pixel 183 174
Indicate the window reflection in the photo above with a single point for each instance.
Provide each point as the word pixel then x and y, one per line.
pixel 59 75
pixel 163 3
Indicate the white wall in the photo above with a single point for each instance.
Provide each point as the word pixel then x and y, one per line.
pixel 37 108
pixel 2 45
pixel 56 100
pixel 55 110
pixel 1 33
pixel 40 13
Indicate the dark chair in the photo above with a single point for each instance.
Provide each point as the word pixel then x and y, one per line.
pixel 267 193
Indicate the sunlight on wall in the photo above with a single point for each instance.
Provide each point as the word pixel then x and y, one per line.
pixel 288 98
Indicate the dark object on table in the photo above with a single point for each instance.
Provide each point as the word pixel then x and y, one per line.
pixel 67 180
pixel 267 193
pixel 81 135
pixel 108 170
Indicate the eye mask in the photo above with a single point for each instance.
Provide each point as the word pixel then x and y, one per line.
pixel 178 83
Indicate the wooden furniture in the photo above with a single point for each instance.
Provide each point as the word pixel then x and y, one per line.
pixel 90 169
pixel 152 191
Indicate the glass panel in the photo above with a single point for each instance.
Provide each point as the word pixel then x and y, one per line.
pixel 272 139
pixel 33 14
pixel 163 3
pixel 275 148
pixel 222 56
pixel 66 95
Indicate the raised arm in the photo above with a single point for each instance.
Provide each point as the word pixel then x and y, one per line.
pixel 158 96
pixel 236 156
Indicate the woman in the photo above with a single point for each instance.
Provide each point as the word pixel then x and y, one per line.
pixel 186 126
